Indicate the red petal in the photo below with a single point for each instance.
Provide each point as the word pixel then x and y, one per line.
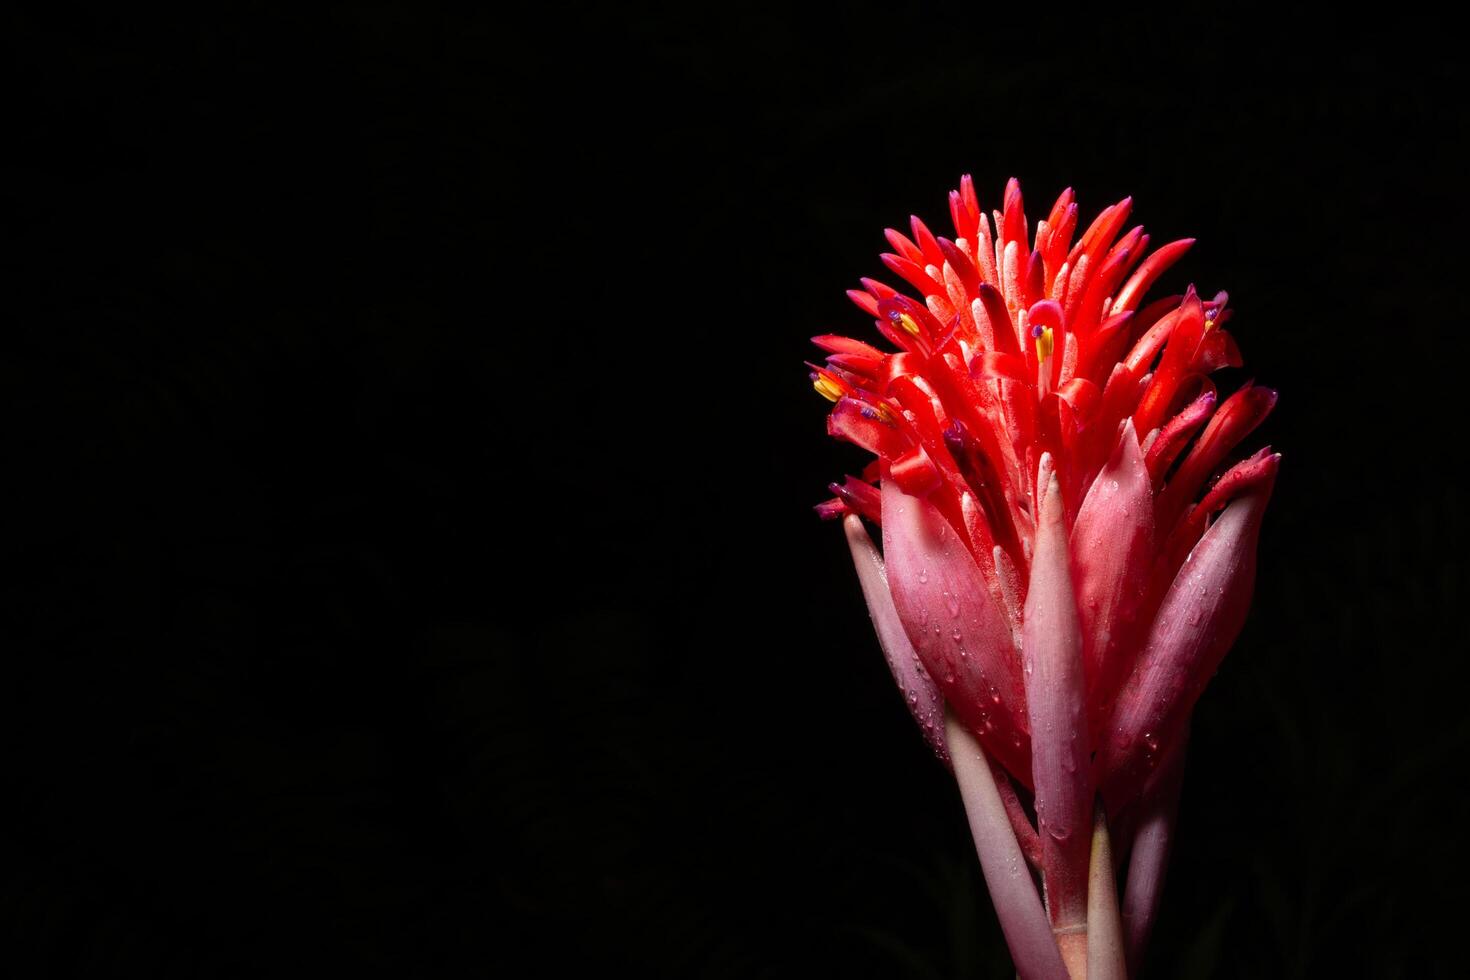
pixel 1176 432
pixel 864 301
pixel 925 238
pixel 962 266
pixel 955 624
pixel 919 691
pixel 916 473
pixel 1060 758
pixel 1195 626
pixel 1000 318
pixel 860 423
pixel 835 344
pixel 912 273
pixel 1217 350
pixel 964 211
pixel 1237 480
pixel 880 291
pixel 1149 272
pixel 904 247
pixel 1179 352
pixel 993 364
pixel 1235 419
pixel 830 510
pixel 1112 547
pixel 860 497
pixel 1013 222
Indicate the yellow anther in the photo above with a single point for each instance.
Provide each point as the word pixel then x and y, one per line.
pixel 884 414
pixel 827 388
pixel 1045 343
pixel 908 323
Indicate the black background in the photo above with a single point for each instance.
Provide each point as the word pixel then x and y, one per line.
pixel 410 568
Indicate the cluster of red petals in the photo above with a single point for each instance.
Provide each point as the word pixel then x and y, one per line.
pixel 1028 358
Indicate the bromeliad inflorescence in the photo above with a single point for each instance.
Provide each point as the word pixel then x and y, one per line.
pixel 1059 576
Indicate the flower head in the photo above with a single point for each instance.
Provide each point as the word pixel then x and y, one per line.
pixel 1060 569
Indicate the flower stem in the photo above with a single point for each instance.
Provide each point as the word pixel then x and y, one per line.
pixel 1105 959
pixel 1022 919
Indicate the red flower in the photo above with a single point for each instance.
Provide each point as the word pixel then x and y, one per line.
pixel 1053 570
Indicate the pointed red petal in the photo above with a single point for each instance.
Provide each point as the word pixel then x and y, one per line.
pixel 1235 419
pixel 927 244
pixel 859 497
pixel 912 273
pixel 1152 268
pixel 1176 432
pixel 903 246
pixel 837 344
pixel 864 301
pixel 1000 319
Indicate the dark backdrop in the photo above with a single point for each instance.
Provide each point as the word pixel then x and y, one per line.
pixel 410 567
